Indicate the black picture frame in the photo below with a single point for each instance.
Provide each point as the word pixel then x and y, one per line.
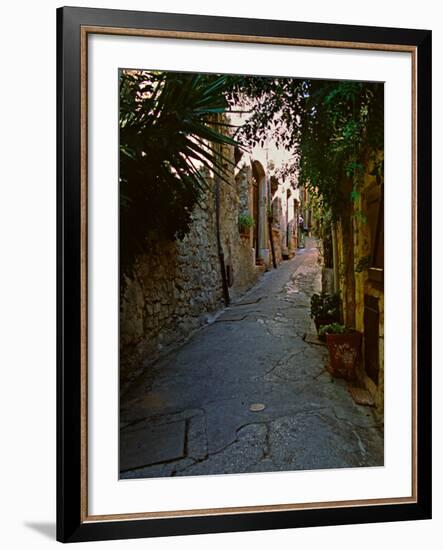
pixel 72 525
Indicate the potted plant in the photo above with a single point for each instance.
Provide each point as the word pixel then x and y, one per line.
pixel 344 346
pixel 325 309
pixel 245 222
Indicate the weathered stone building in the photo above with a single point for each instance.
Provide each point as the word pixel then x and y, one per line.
pixel 176 287
pixel 359 267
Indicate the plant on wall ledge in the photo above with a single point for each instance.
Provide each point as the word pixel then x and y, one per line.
pixel 245 222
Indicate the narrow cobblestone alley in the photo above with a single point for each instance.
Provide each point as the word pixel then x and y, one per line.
pixel 248 394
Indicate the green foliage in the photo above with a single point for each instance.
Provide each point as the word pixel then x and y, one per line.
pixel 332 128
pixel 341 125
pixel 245 221
pixel 325 306
pixel 274 104
pixel 359 215
pixel 168 130
pixel 333 328
pixel 171 125
pixel 363 264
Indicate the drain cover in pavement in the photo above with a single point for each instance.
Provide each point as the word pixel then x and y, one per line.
pixel 257 407
pixel 152 444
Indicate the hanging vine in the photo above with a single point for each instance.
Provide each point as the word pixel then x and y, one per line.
pixel 333 129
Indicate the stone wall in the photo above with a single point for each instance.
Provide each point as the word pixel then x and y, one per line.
pixel 238 252
pixel 364 286
pixel 355 292
pixel 277 240
pixel 176 287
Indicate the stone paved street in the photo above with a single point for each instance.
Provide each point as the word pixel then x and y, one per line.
pixel 248 394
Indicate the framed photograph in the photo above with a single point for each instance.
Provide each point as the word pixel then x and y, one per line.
pixel 244 274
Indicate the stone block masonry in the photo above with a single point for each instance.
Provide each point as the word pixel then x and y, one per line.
pixel 175 287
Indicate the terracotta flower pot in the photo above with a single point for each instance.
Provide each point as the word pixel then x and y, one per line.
pixel 344 353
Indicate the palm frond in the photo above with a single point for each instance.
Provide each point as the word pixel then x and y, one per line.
pixel 168 126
